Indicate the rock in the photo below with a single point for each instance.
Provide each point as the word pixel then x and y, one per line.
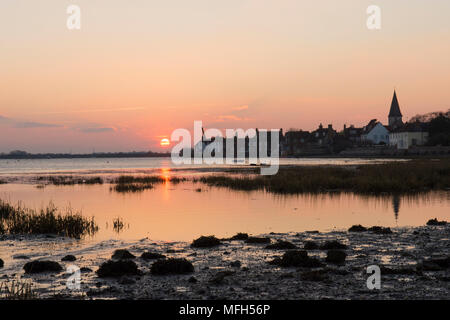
pixel 20 257
pixel 240 236
pixel 220 276
pixel 334 244
pixel 336 256
pixel 206 242
pixel 192 280
pixel 315 275
pixel 281 245
pixel 310 245
pixel 257 240
pixel 402 270
pixel 126 280
pixel 171 266
pixel 1 263
pixel 380 230
pixel 117 268
pixel 69 257
pixel 435 222
pixel 296 258
pixel 122 254
pixel 436 264
pixel 152 255
pixel 40 266
pixel 85 270
pixel 357 228
pixel 235 264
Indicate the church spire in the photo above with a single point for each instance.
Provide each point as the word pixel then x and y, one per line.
pixel 395 116
pixel 395 108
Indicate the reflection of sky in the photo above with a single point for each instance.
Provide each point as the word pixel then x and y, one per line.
pixel 178 212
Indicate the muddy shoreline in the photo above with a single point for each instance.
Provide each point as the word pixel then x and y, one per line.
pixel 240 270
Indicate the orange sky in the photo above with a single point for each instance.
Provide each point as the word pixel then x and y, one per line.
pixel 139 69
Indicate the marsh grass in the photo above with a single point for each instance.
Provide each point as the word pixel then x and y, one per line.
pixel 17 290
pixel 395 177
pixel 125 184
pixel 21 220
pixel 70 180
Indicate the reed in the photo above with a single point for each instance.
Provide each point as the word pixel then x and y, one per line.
pixel 21 220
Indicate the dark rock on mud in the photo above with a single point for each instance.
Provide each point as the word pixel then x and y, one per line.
pixel 152 256
pixel 436 222
pixel 239 236
pixel 296 258
pixel 310 245
pixel 85 270
pixel 258 240
pixel 357 228
pixel 119 268
pixel 315 275
pixel 220 276
pixel 397 271
pixel 171 266
pixel 20 257
pixel 40 266
pixel 436 264
pixel 1 263
pixel 336 256
pixel 235 264
pixel 69 257
pixel 192 280
pixel 281 245
pixel 334 244
pixel 380 230
pixel 206 242
pixel 122 254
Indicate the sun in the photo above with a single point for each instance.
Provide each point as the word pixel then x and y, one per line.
pixel 164 142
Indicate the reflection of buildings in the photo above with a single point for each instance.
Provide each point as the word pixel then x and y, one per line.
pixel 396 205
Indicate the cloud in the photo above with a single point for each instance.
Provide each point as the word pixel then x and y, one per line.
pixel 230 117
pixel 240 108
pixel 26 124
pixel 97 129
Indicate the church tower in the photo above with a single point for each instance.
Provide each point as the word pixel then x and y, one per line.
pixel 395 116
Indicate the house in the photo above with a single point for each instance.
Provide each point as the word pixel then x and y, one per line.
pixel 375 133
pixel 352 133
pixel 324 136
pixel 295 140
pixel 409 134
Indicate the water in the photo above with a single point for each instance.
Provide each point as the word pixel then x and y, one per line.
pixel 112 165
pixel 180 212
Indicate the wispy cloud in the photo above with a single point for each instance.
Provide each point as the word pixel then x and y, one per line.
pixel 94 110
pixel 240 108
pixel 26 124
pixel 97 129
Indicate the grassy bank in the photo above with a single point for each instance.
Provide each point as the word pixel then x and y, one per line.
pixel 124 184
pixel 394 177
pixel 21 220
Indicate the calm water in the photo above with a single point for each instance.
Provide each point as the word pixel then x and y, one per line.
pixel 180 212
pixel 102 165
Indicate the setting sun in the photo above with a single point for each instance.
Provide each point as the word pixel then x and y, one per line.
pixel 164 142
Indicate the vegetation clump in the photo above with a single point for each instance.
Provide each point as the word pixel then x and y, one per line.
pixel 281 245
pixel 296 258
pixel 333 244
pixel 118 268
pixel 357 228
pixel 380 230
pixel 436 222
pixel 171 266
pixel 122 254
pixel 257 240
pixel 40 266
pixel 206 242
pixel 21 220
pixel 152 255
pixel 336 256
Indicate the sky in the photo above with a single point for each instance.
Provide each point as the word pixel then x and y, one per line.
pixel 138 69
